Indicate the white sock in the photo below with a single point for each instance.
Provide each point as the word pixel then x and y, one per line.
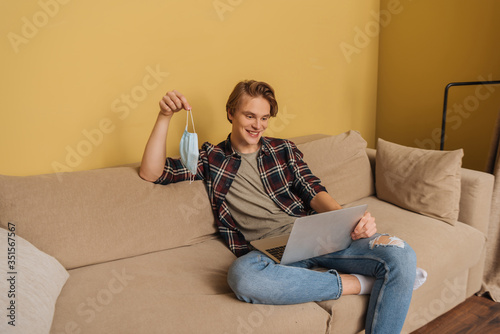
pixel 420 278
pixel 366 283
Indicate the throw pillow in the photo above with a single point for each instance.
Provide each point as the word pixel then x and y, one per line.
pixel 31 282
pixel 423 181
pixel 342 165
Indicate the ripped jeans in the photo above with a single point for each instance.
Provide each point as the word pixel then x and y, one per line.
pixel 255 278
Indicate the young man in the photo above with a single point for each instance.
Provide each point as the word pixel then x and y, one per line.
pixel 258 186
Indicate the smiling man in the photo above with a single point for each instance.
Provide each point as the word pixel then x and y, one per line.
pixel 249 116
pixel 258 186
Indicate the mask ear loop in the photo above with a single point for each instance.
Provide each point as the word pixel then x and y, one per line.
pixel 189 111
pixel 192 120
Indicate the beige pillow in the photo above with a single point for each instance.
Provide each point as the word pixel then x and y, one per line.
pixel 29 286
pixel 423 181
pixel 342 165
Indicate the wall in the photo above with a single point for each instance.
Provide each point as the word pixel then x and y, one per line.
pixel 426 46
pixel 81 80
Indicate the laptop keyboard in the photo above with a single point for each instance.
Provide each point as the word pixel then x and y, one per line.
pixel 277 252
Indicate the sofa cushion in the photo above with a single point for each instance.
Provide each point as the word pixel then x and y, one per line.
pixel 94 216
pixel 434 300
pixel 342 165
pixel 348 313
pixel 31 282
pixel 182 290
pixel 423 181
pixel 442 250
pixel 446 252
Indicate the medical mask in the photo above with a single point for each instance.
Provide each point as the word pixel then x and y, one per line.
pixel 189 148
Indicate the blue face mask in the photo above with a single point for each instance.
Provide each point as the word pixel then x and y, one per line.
pixel 189 147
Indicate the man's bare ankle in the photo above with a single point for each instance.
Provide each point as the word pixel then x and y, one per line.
pixel 350 285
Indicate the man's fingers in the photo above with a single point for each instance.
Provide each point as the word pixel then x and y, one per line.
pixel 182 100
pixel 167 104
pixel 365 228
pixel 360 227
pixel 173 101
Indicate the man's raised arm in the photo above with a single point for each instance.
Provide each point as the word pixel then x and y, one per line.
pixel 153 159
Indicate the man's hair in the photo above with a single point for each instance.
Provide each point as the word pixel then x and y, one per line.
pixel 251 88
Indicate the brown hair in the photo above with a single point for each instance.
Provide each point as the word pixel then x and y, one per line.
pixel 251 88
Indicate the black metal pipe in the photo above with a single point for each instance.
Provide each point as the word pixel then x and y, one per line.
pixel 445 104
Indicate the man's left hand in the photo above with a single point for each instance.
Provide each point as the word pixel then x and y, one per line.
pixel 365 228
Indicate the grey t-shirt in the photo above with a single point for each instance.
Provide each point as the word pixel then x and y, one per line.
pixel 255 213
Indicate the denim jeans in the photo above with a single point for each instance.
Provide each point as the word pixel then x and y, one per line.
pixel 255 278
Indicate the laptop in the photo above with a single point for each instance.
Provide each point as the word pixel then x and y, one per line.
pixel 313 236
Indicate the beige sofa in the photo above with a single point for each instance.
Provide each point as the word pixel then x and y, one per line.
pixel 145 258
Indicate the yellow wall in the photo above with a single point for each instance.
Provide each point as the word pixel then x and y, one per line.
pixel 422 49
pixel 81 80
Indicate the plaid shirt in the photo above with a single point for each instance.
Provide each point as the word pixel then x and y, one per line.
pixel 286 178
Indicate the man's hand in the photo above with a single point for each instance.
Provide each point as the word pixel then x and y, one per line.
pixel 365 228
pixel 173 102
pixel 153 159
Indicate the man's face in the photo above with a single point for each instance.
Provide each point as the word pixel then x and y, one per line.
pixel 249 122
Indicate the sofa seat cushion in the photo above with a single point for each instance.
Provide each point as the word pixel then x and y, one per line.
pixel 181 290
pixel 442 250
pixel 430 302
pixel 348 313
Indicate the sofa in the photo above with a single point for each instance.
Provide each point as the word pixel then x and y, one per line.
pixel 103 251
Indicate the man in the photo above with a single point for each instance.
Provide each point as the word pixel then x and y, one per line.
pixel 257 187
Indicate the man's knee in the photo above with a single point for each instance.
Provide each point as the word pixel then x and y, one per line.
pixel 386 240
pixel 241 276
pixel 236 272
pixel 396 251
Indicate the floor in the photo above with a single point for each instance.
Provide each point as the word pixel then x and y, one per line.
pixel 475 315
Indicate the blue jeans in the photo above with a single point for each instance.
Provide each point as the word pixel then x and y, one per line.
pixel 255 278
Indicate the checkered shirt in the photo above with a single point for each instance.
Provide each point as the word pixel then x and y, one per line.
pixel 286 178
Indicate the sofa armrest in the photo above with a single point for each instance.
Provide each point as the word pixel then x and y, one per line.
pixel 475 199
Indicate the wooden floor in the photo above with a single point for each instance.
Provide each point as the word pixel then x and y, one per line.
pixel 476 315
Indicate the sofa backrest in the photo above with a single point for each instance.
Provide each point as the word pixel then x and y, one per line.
pixel 342 164
pixel 95 216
